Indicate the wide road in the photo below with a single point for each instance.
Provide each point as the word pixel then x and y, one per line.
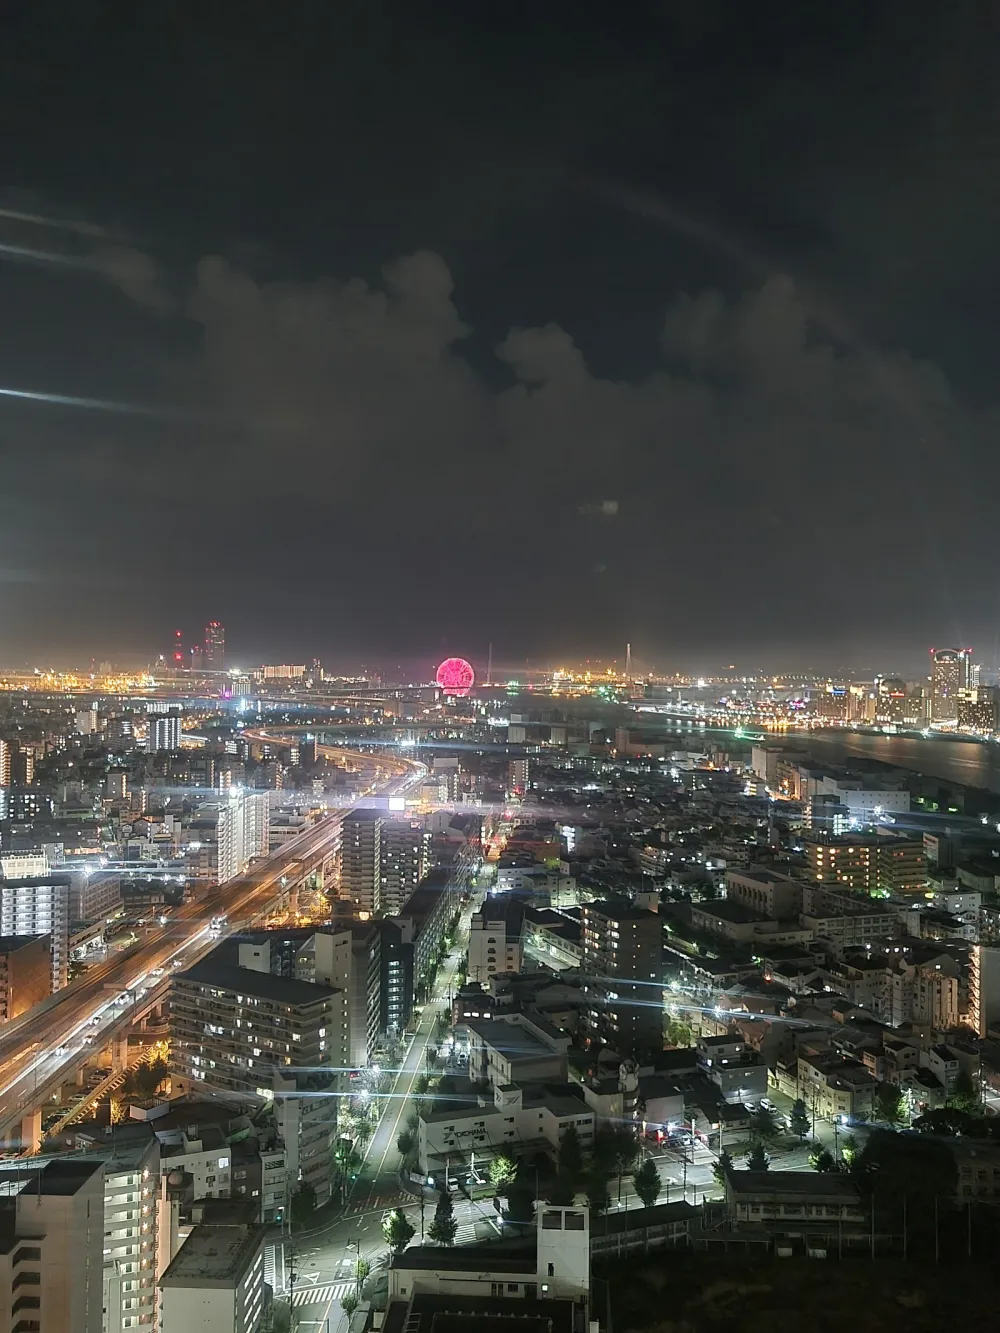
pixel 325 1258
pixel 53 1039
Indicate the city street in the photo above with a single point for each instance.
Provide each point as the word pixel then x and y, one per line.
pixel 325 1260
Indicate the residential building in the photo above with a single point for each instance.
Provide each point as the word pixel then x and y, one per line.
pixel 340 958
pixel 426 917
pixel 261 1036
pixel 833 1088
pixel 51 1248
pixel 764 892
pixel 734 1067
pixel 164 731
pixel 516 1048
pixel 845 918
pixel 496 939
pixel 457 1138
pixel 518 777
pixel 242 831
pixel 361 860
pixel 390 984
pixel 94 897
pixel 25 973
pixel 984 988
pixel 622 977
pixel 927 993
pixel 215 1281
pixel 404 851
pixel 40 907
pixel 233 1028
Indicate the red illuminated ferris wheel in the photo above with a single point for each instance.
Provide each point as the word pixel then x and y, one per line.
pixel 455 675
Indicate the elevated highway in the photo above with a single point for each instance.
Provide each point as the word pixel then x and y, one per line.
pixel 44 1047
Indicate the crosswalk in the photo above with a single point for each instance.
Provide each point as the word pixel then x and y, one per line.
pixel 332 1291
pixel 469 1233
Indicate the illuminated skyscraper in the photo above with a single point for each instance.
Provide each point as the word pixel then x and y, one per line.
pixel 215 646
pixel 949 674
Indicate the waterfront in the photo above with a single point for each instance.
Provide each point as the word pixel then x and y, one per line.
pixel 964 763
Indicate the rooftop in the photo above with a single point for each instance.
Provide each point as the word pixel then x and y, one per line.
pixel 500 1257
pixel 729 910
pixel 618 910
pixel 214 1256
pixel 511 1039
pixel 430 1313
pixel 247 981
pixel 801 1183
pixel 57 1176
pixel 11 943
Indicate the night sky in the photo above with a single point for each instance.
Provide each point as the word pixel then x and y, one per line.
pixel 556 325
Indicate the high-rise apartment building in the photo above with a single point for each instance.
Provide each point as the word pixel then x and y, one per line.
pixel 405 848
pixel 258 1036
pixel 164 731
pixel 5 775
pixel 390 983
pixel 518 772
pixel 242 831
pixel 86 721
pixel 215 1281
pixel 214 651
pixel 51 1259
pixel 131 1188
pixel 622 972
pixel 40 907
pixel 949 675
pixel 361 860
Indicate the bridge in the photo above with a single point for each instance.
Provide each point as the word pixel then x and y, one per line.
pixel 44 1047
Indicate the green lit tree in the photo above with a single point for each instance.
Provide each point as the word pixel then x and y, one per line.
pixel 887 1105
pixel 647 1183
pixel 723 1165
pixel 964 1095
pixel 397 1230
pixel 757 1159
pixel 503 1169
pixel 303 1204
pixel 763 1126
pixel 822 1160
pixel 570 1158
pixel 799 1122
pixel 405 1143
pixel 598 1196
pixel 443 1229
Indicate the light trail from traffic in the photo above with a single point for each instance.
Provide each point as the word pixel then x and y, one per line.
pixel 43 1046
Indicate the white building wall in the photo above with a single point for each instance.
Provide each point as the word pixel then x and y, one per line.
pixel 39 909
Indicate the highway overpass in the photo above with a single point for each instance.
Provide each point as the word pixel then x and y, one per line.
pixel 44 1047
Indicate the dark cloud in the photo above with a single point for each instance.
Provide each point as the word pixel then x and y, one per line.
pixel 733 266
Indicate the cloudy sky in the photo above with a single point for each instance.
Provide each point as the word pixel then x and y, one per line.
pixel 556 325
